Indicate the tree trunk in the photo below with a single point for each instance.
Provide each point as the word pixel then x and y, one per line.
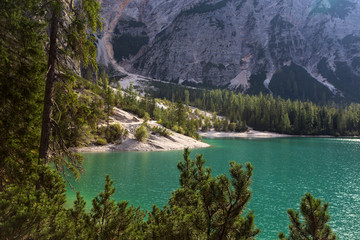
pixel 49 88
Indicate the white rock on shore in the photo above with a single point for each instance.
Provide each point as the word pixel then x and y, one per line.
pixel 155 142
pixel 248 134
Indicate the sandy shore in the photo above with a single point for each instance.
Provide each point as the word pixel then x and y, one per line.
pixel 155 142
pixel 174 141
pixel 248 134
pixel 254 134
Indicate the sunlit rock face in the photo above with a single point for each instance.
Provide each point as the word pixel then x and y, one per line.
pixel 307 49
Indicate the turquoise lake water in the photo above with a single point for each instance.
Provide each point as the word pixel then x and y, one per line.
pixel 285 169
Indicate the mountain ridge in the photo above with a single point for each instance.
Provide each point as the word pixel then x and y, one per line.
pixel 230 43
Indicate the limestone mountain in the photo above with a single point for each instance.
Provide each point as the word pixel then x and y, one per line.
pixel 305 49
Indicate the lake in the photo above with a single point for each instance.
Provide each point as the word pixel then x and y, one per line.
pixel 285 169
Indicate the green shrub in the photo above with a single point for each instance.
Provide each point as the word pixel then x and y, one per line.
pixel 113 133
pixel 141 133
pixel 160 130
pixel 126 133
pixel 175 128
pixel 101 141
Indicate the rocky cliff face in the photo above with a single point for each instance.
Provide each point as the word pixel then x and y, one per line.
pixel 308 49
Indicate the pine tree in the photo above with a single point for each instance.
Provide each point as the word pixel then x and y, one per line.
pixel 180 113
pixel 187 101
pixel 207 207
pixel 103 210
pixel 22 70
pixel 30 213
pixel 109 99
pixel 70 25
pixel 79 218
pixel 316 219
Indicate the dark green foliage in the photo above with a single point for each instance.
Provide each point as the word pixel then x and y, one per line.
pixel 264 112
pixel 22 71
pixel 315 221
pixel 115 133
pixel 70 41
pixel 109 99
pixel 30 213
pixel 79 217
pixel 206 207
pixel 101 141
pixel 295 83
pixel 180 113
pixel 76 114
pixel 176 117
pixel 111 134
pixel 343 78
pixel 107 219
pixel 110 220
pixel 128 102
pixel 257 84
pixel 103 210
pixel 160 130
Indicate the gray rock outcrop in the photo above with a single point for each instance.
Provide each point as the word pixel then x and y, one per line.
pixel 239 44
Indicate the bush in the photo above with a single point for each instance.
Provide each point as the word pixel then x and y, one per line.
pixel 141 133
pixel 101 141
pixel 241 127
pixel 113 133
pixel 175 128
pixel 162 131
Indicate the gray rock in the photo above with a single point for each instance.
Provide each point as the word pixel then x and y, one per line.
pixel 228 42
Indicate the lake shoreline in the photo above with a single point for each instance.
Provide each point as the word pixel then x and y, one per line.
pixel 248 134
pixel 154 143
pixel 255 134
pixel 178 141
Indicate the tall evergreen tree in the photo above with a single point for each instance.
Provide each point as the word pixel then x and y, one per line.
pixel 180 113
pixel 70 27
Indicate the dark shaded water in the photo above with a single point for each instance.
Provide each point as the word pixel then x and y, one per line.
pixel 285 169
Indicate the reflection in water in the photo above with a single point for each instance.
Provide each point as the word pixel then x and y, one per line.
pixel 285 169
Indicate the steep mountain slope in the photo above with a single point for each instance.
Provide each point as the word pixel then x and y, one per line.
pixel 307 49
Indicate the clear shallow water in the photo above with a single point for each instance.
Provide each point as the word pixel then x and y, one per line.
pixel 285 169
